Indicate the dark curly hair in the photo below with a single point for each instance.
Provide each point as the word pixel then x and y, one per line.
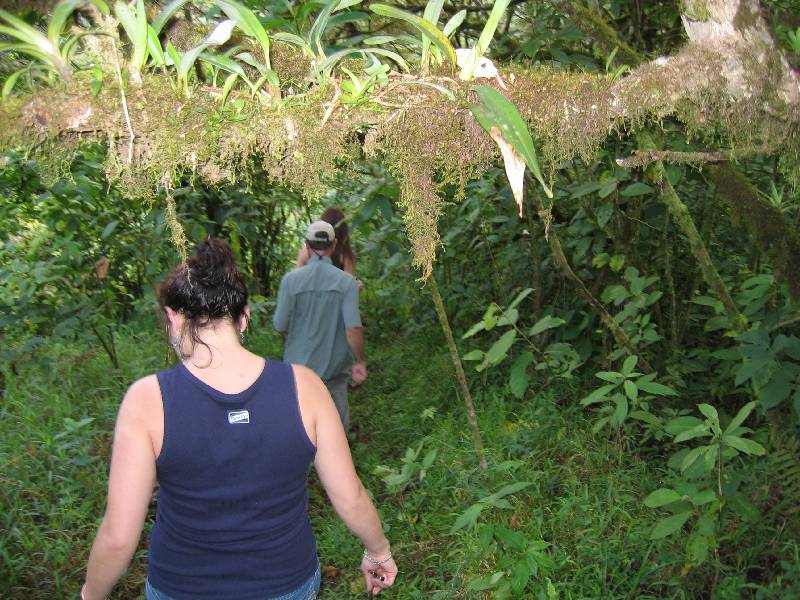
pixel 205 288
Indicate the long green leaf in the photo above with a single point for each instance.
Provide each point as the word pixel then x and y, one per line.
pixel 326 65
pixel 154 47
pixel 11 81
pixel 499 112
pixel 134 22
pixel 25 33
pixel 740 417
pixel 227 87
pixel 485 38
pixel 454 22
pixel 432 11
pixel 166 14
pixel 58 19
pixel 425 28
pixel 439 88
pixel 669 525
pixel 319 26
pixel 248 22
pixel 223 62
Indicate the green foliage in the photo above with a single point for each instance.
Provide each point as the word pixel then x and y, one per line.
pixel 52 53
pixel 557 357
pixel 627 393
pixel 699 491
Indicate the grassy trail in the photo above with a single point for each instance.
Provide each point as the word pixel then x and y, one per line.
pixel 558 513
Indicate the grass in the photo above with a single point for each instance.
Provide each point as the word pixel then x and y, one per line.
pixel 577 530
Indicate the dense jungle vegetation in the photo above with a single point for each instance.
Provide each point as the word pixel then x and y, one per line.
pixel 594 394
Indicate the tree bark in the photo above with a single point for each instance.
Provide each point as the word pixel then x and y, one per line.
pixel 459 369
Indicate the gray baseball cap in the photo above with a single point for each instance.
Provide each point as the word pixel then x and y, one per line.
pixel 320 231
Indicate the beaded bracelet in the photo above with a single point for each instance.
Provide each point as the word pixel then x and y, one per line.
pixel 376 562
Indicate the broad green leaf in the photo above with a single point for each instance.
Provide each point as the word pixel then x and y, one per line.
pixel 519 378
pixel 327 64
pixel 479 326
pixel 597 395
pixel 58 19
pixel 498 112
pixel 509 317
pixel 697 548
pixel 584 189
pixel 620 410
pixel 646 417
pixel 610 376
pixel 744 445
pixel 545 323
pixel 651 387
pixel 223 62
pixel 154 47
pixel 680 424
pixel 473 355
pixel 692 456
pixel 430 31
pixel 485 583
pixel 520 575
pixel 631 391
pixel 230 80
pixel 507 490
pixel 498 350
pixel 637 189
pixel 709 412
pixel 629 364
pixel 690 434
pixel 669 525
pixel 702 497
pixel 780 387
pixel 661 497
pixel 468 518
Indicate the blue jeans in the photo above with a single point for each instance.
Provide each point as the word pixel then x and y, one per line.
pixel 307 591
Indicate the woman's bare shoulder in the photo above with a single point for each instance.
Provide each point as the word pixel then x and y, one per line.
pixel 142 397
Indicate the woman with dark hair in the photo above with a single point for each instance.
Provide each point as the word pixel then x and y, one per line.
pixel 343 256
pixel 229 437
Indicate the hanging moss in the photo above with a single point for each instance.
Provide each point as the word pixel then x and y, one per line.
pixel 771 231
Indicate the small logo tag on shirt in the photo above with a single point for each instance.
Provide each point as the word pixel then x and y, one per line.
pixel 238 416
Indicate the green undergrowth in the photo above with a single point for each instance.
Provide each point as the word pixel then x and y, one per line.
pixel 571 524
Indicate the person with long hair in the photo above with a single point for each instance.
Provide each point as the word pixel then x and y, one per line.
pixel 343 257
pixel 229 437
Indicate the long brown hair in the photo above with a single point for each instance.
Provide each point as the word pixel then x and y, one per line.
pixel 343 252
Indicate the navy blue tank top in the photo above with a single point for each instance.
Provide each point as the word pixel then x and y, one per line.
pixel 232 517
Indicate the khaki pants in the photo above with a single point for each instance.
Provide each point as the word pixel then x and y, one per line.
pixel 337 386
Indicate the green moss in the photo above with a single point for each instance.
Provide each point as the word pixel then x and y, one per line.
pixel 770 230
pixel 696 10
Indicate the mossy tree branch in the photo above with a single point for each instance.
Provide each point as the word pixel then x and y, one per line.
pixel 560 259
pixel 774 235
pixel 683 220
pixel 459 369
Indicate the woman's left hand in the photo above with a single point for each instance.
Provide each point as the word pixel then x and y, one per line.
pixel 378 577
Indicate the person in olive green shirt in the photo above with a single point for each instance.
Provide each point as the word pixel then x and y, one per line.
pixel 318 313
